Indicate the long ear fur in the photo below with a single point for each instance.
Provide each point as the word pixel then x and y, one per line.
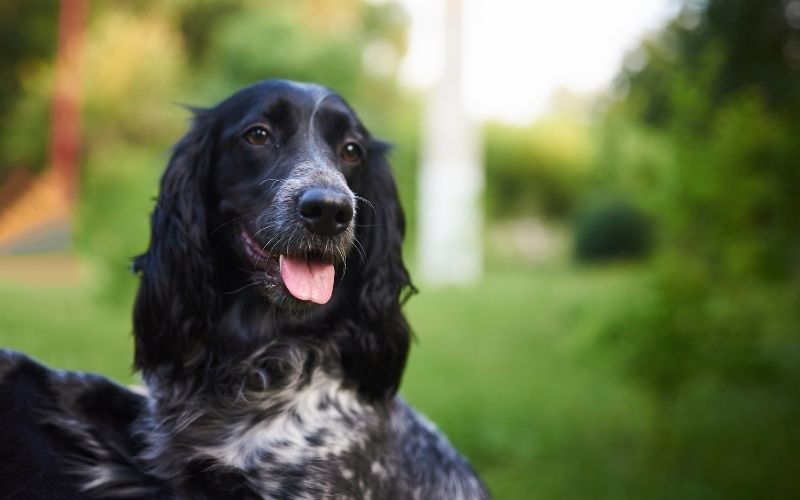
pixel 376 357
pixel 177 301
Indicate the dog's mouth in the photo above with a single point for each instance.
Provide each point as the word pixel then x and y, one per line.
pixel 308 277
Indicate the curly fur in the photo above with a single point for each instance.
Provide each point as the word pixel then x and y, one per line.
pixel 253 393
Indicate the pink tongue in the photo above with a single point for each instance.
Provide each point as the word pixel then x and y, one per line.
pixel 307 280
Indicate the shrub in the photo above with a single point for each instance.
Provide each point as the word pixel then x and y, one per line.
pixel 538 169
pixel 609 229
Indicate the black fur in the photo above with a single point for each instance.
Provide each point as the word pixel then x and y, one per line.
pixel 255 393
pixel 179 307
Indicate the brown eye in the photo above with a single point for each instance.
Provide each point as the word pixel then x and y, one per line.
pixel 257 136
pixel 351 153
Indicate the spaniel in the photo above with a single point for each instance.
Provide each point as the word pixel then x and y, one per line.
pixel 268 325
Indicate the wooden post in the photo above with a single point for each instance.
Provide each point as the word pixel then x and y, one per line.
pixel 65 124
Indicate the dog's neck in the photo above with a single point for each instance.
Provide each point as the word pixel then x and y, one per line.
pixel 253 348
pixel 254 353
pixel 260 380
pixel 282 399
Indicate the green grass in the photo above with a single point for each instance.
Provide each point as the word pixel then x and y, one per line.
pixel 508 369
pixel 66 328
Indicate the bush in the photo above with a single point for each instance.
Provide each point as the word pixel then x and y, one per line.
pixel 539 169
pixel 609 229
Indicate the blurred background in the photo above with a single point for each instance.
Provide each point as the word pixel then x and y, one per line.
pixel 622 318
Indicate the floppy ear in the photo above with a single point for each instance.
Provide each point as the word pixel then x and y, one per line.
pixel 377 356
pixel 176 300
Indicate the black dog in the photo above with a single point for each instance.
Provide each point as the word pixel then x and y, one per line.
pixel 268 323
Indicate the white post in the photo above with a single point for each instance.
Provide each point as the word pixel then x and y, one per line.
pixel 451 173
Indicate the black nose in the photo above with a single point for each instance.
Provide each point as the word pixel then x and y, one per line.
pixel 325 211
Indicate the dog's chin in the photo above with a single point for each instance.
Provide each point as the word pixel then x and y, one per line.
pixel 298 281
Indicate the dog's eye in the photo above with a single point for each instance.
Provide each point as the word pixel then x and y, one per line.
pixel 351 153
pixel 257 136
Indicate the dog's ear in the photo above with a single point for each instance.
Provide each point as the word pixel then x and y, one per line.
pixel 177 301
pixel 377 356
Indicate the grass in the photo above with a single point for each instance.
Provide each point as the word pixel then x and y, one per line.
pixel 65 327
pixel 508 369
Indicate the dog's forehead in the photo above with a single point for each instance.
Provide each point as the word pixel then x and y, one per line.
pixel 314 91
pixel 302 99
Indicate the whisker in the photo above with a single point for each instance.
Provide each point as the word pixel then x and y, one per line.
pixel 289 242
pixel 235 219
pixel 360 249
pixel 367 202
pixel 263 249
pixel 274 181
pixel 245 287
pixel 262 229
pixel 344 263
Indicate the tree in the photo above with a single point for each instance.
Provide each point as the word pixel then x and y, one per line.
pixel 28 33
pixel 720 92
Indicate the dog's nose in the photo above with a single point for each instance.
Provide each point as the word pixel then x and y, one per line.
pixel 325 211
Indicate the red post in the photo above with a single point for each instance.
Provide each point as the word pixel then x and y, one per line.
pixel 65 124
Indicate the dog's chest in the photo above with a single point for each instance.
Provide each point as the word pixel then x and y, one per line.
pixel 323 441
pixel 321 419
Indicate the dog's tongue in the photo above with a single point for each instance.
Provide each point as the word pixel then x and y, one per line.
pixel 307 280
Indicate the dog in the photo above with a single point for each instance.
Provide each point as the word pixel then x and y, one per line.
pixel 268 325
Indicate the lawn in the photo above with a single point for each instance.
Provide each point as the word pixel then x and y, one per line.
pixel 509 369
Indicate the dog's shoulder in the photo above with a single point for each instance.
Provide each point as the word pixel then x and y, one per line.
pixel 61 429
pixel 427 462
pixel 27 450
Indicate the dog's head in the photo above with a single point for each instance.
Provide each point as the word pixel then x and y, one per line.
pixel 277 208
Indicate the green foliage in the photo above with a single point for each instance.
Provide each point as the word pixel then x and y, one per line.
pixel 720 48
pixel 251 47
pixel 729 270
pixel 540 169
pixel 130 98
pixel 717 103
pixel 725 195
pixel 632 159
pixel 199 21
pixel 28 37
pixel 741 179
pixel 24 131
pixel 308 40
pixel 112 237
pixel 610 229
